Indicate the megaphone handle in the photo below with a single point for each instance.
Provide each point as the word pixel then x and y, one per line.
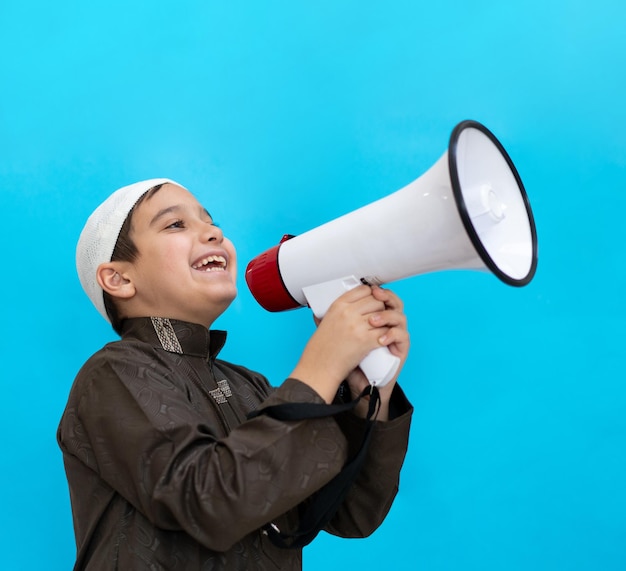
pixel 379 366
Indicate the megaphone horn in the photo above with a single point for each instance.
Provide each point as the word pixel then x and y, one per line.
pixel 468 211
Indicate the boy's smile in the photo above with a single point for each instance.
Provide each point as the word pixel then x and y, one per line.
pixel 210 264
pixel 186 268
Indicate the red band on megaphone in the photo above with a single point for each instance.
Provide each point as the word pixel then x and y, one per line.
pixel 265 282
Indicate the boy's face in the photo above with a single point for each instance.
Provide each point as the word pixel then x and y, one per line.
pixel 185 269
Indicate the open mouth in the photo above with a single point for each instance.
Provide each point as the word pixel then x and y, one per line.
pixel 210 264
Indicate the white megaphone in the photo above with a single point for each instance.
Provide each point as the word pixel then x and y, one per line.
pixel 468 211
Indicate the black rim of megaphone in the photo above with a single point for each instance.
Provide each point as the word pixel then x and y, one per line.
pixel 465 217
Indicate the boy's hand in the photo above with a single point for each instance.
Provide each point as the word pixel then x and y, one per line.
pixel 396 339
pixel 360 320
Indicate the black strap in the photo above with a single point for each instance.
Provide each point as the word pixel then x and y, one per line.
pixel 316 512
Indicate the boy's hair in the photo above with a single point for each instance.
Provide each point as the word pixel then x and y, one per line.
pixel 109 224
pixel 125 251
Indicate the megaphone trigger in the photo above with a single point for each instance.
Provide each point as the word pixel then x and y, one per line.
pixel 379 366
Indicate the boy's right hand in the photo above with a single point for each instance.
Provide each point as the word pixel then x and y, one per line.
pixel 343 338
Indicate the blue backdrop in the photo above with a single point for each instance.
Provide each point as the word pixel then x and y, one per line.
pixel 281 115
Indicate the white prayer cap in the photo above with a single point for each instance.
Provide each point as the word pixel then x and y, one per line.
pixel 99 236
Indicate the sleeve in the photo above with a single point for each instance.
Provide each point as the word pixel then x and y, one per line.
pixel 163 457
pixel 374 490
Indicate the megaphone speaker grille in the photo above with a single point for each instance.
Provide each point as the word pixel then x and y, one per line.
pixel 492 203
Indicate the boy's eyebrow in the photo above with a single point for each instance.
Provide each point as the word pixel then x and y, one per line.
pixel 175 208
pixel 164 212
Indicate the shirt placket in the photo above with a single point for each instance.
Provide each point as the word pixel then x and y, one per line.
pixel 219 391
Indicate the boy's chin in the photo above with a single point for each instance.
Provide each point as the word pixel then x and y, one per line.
pixel 219 304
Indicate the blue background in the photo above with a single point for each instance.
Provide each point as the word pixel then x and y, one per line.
pixel 281 115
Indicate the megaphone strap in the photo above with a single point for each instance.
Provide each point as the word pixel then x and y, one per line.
pixel 320 508
pixel 307 410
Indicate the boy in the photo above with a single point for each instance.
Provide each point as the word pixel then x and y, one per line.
pixel 165 469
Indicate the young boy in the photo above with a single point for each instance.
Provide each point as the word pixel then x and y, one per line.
pixel 165 469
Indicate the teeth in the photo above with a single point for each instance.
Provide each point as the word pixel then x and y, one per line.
pixel 211 259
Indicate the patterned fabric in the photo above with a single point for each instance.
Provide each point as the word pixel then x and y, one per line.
pixel 166 473
pixel 222 392
pixel 166 334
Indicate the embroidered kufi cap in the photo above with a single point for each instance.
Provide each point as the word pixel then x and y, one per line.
pixel 99 236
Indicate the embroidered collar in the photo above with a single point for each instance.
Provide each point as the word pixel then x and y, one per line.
pixel 175 336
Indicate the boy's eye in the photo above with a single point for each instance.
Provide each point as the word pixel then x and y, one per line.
pixel 176 224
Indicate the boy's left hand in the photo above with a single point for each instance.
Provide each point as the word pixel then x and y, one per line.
pixel 392 323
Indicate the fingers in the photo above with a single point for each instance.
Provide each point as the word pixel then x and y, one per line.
pixel 390 299
pixel 391 322
pixel 384 296
pixel 392 315
pixel 367 316
pixel 358 301
pixel 382 308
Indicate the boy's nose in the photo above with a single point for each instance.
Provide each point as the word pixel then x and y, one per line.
pixel 212 234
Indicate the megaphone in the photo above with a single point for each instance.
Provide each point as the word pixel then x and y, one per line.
pixel 468 211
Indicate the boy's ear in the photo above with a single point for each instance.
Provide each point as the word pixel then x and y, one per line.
pixel 114 280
